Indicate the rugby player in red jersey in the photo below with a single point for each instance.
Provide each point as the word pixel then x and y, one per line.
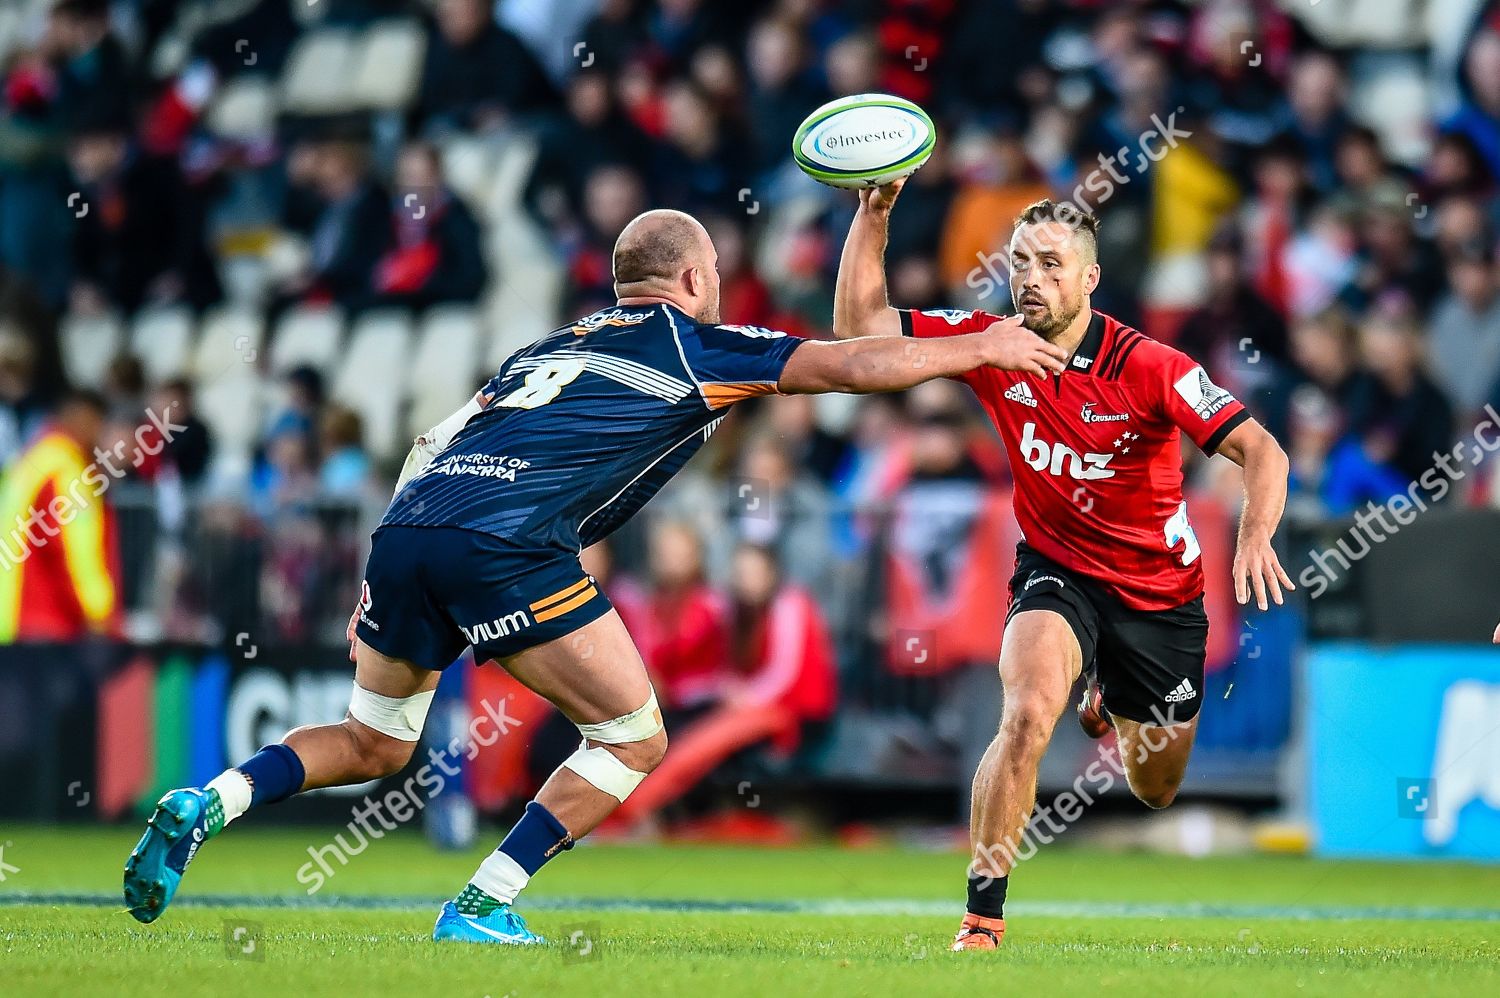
pixel 1107 579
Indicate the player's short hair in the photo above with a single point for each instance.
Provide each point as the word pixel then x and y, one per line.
pixel 655 247
pixel 1085 225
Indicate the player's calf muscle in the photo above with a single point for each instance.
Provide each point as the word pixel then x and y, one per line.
pixel 1155 759
pixel 347 752
pixel 1155 790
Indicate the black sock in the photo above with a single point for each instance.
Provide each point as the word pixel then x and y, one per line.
pixel 987 895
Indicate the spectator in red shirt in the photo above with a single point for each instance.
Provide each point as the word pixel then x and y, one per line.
pixel 435 253
pixel 781 681
pixel 780 653
pixel 684 637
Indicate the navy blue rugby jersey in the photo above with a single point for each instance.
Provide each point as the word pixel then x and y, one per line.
pixel 588 423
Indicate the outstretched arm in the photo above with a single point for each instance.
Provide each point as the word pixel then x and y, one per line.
pixel 890 364
pixel 860 307
pixel 1265 464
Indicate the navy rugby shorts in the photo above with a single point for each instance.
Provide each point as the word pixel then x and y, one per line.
pixel 429 592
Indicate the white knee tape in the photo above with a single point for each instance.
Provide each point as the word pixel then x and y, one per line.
pixel 600 767
pixel 637 726
pixel 399 717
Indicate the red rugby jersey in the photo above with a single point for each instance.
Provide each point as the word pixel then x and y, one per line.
pixel 1096 453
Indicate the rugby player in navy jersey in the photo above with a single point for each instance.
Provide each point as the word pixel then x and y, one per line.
pixel 480 548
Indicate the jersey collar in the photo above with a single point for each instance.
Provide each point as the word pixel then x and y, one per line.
pixel 1090 347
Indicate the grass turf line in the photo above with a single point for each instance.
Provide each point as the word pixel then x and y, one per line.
pixel 81 950
pixel 94 951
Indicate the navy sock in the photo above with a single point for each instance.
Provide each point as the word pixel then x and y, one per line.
pixel 275 774
pixel 536 838
pixel 987 895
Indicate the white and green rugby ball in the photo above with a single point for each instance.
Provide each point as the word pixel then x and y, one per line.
pixel 864 141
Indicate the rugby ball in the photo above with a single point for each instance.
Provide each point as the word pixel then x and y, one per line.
pixel 864 141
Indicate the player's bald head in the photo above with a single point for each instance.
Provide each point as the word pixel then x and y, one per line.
pixel 657 246
pixel 668 254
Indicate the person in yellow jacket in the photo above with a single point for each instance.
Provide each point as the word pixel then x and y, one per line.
pixel 59 561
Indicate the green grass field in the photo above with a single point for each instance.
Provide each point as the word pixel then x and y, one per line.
pixel 685 920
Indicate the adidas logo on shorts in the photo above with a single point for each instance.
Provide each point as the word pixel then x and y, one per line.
pixel 1021 392
pixel 1184 691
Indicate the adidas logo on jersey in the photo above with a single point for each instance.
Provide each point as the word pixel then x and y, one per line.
pixel 1183 692
pixel 1021 392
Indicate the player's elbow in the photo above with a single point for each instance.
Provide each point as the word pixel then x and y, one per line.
pixel 823 367
pixel 1251 446
pixel 847 375
pixel 850 322
pixel 879 319
pixel 1263 451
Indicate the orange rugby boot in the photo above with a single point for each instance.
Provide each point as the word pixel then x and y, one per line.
pixel 978 932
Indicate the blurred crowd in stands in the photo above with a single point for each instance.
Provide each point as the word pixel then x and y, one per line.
pixel 1305 200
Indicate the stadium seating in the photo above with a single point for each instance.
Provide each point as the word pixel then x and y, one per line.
pixel 245 109
pixel 309 336
pixel 468 165
pixel 232 406
pixel 1366 23
pixel 529 278
pixel 523 307
pixel 372 379
pixel 507 180
pixel 1393 98
pixel 388 65
pixel 319 74
pixel 230 340
pixel 162 339
pixel 444 367
pixel 89 343
pixel 333 70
